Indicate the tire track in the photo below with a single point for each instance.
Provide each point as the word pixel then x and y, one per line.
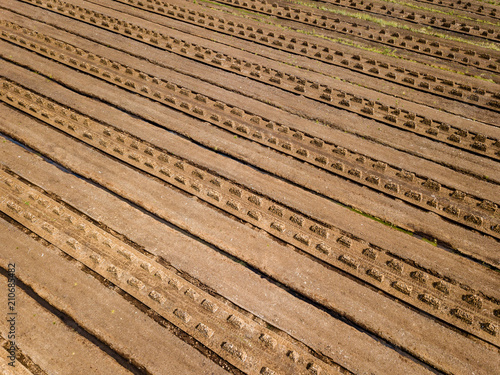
pixel 107 324
pixel 230 334
pixel 65 332
pixel 292 43
pixel 427 45
pixel 24 364
pixel 392 116
pixel 424 192
pixel 377 267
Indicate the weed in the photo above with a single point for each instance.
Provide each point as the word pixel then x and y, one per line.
pixel 433 242
pixel 463 73
pixel 381 221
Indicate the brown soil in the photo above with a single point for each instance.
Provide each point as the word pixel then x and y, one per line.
pixel 187 188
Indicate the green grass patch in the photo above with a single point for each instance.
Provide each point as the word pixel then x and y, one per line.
pixel 423 30
pixel 379 220
pixel 386 51
pixel 434 10
pixel 433 243
pixel 492 2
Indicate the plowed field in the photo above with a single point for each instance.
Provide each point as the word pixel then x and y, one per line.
pixel 249 187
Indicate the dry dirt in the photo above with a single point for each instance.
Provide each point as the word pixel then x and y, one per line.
pixel 249 187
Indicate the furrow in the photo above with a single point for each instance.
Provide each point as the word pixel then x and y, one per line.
pixel 100 311
pixel 311 281
pixel 426 193
pixel 6 368
pixel 450 22
pixel 304 318
pixel 331 54
pixel 235 148
pixel 342 250
pixel 256 187
pixel 332 119
pixel 397 38
pixel 390 115
pixel 232 335
pixel 430 193
pixel 68 339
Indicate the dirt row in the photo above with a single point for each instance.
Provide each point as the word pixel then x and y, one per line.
pixel 172 126
pixel 221 329
pixel 375 66
pixel 376 110
pixel 437 114
pixel 100 313
pixel 466 248
pixel 300 319
pixel 308 149
pixel 301 233
pixel 308 270
pixel 174 204
pixel 291 142
pixel 478 7
pixel 444 49
pixel 430 17
pixel 480 141
pixel 66 342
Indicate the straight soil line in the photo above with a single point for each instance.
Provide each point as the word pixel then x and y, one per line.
pixel 231 199
pixel 267 294
pixel 68 339
pixel 350 189
pixel 401 118
pixel 389 7
pixel 199 211
pixel 12 96
pixel 387 35
pixel 401 136
pixel 430 80
pixel 454 23
pixel 449 209
pixel 98 309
